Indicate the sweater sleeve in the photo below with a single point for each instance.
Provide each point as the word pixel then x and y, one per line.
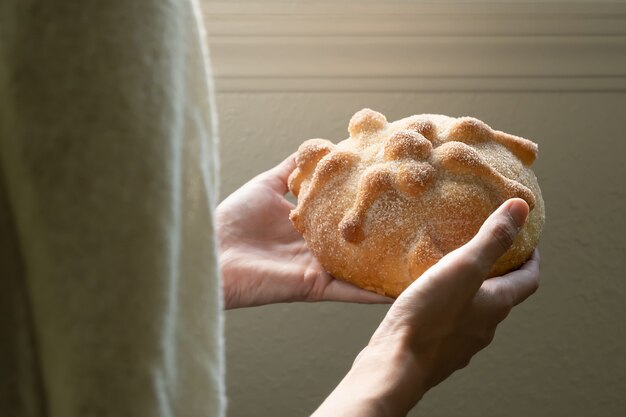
pixel 110 303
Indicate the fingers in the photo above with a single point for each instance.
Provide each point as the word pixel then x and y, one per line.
pixel 515 287
pixel 279 175
pixel 497 296
pixel 496 235
pixel 341 291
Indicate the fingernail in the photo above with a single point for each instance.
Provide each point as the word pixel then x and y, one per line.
pixel 518 212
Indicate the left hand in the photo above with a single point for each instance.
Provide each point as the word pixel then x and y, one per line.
pixel 263 259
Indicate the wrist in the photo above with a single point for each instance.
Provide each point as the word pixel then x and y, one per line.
pixel 395 371
pixel 383 381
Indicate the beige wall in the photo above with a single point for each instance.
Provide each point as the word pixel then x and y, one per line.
pixel 561 353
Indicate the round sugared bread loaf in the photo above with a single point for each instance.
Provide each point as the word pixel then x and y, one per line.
pixel 382 206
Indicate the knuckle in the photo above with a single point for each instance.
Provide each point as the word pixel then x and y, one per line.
pixel 534 286
pixel 506 298
pixel 502 313
pixel 465 362
pixel 503 234
pixel 498 302
pixel 487 338
pixel 468 262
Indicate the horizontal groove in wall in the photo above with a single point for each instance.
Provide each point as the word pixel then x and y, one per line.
pixel 465 47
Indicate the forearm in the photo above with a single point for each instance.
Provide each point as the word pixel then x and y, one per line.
pixel 382 382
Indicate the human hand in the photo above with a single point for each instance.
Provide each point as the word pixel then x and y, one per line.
pixel 263 259
pixel 438 323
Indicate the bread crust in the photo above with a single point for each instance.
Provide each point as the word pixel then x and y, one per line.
pixel 381 207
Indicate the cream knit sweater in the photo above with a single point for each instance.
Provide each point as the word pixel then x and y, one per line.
pixel 109 296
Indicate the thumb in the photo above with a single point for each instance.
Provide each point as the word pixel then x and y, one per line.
pixel 462 271
pixel 497 234
pixel 278 176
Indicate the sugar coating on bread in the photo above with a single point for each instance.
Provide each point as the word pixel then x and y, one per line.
pixel 382 206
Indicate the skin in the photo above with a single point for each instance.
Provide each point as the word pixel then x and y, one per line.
pixel 433 329
pixel 263 259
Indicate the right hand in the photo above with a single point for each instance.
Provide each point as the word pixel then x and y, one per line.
pixel 439 322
